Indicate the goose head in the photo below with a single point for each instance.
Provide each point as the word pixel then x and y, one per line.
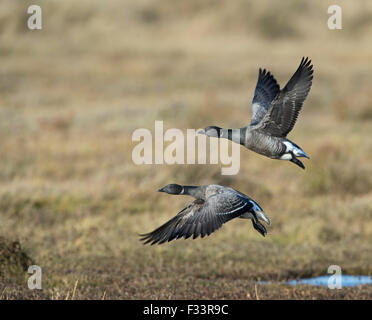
pixel 172 189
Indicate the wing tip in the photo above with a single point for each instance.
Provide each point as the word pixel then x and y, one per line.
pixel 146 238
pixel 261 73
pixel 265 77
pixel 306 63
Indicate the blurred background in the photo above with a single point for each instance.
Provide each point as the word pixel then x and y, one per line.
pixel 73 202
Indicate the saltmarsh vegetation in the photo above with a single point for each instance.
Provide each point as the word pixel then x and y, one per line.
pixel 72 94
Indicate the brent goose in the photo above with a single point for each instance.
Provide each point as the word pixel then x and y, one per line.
pixel 214 205
pixel 274 113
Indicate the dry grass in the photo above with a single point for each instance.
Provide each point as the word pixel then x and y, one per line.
pixel 72 94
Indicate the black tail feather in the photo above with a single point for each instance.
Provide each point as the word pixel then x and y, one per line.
pixel 298 162
pixel 259 227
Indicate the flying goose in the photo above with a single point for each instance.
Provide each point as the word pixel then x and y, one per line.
pixel 274 113
pixel 214 205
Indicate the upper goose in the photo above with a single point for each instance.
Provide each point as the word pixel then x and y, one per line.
pixel 274 113
pixel 214 205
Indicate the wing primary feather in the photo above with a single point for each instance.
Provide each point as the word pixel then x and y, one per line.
pixel 285 108
pixel 266 90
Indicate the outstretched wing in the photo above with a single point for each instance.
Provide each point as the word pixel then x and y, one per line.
pixel 266 90
pixel 200 218
pixel 284 109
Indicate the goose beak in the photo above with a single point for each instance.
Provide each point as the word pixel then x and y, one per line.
pixel 161 190
pixel 263 217
pixel 201 131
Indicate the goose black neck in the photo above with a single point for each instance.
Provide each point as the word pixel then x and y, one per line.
pixel 243 132
pixel 235 135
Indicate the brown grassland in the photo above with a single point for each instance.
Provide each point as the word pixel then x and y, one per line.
pixel 73 202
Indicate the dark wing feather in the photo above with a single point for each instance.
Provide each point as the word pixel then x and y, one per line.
pixel 284 109
pixel 266 90
pixel 200 218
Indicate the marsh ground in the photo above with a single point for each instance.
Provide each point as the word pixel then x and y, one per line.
pixel 72 94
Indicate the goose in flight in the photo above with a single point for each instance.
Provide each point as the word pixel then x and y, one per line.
pixel 274 113
pixel 214 205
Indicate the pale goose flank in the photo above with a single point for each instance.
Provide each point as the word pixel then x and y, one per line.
pixel 274 113
pixel 214 205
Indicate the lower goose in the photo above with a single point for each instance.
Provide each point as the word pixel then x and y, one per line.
pixel 214 205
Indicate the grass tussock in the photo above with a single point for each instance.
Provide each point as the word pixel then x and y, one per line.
pixel 336 172
pixel 14 261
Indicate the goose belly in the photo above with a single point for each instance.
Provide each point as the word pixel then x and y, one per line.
pixel 271 147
